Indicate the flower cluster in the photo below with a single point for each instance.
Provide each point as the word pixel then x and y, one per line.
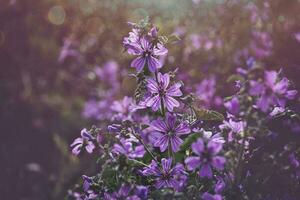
pixel 163 145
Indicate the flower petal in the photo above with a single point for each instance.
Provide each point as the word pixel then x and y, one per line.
pixel 159 125
pixel 171 120
pixel 77 141
pixel 174 90
pixel 198 147
pixel 152 86
pixel 170 103
pixel 214 147
pixel 153 64
pixel 205 171
pixel 182 129
pixel 154 103
pixel 218 162
pixel 138 63
pixel 166 164
pixel 162 143
pixel 164 79
pixel 76 150
pixel 175 143
pixel 192 162
pixel 90 147
pixel 160 50
pixel 159 184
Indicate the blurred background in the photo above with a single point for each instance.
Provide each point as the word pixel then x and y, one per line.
pixel 62 64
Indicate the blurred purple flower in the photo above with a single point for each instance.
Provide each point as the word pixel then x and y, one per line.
pixel 273 91
pixel 206 91
pixel 162 93
pixel 99 110
pixel 206 158
pixel 122 193
pixel 220 186
pixel 128 192
pixel 108 74
pixel 126 148
pixel 122 108
pixel 208 136
pixel 85 141
pixel 68 50
pixel 170 130
pixel 233 106
pixel 297 36
pixel 236 127
pixel 142 191
pixel 294 162
pixel 208 196
pixel 166 177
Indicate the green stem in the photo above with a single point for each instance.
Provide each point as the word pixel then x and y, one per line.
pixel 238 167
pixel 163 112
pixel 170 152
pixel 143 143
pixel 138 162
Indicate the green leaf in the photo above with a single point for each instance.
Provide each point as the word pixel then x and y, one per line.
pixel 235 77
pixel 208 115
pixel 188 141
pixel 173 38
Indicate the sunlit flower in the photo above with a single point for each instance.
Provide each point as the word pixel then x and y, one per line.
pixel 147 54
pixel 85 141
pixel 162 93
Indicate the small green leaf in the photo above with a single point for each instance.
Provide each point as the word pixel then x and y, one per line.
pixel 208 115
pixel 235 77
pixel 188 141
pixel 173 38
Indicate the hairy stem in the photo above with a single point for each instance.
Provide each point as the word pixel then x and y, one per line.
pixel 143 143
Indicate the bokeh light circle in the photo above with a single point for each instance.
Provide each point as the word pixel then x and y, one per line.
pixel 57 15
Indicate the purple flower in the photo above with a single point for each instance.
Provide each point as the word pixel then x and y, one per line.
pixel 170 131
pixel 122 108
pixel 147 54
pixel 276 111
pixel 273 91
pixel 236 127
pixel 208 136
pixel 208 196
pixel 293 160
pixel 206 91
pixel 141 191
pixel 161 92
pixel 206 158
pixel 86 141
pixel 166 177
pixel 220 186
pixel 108 74
pixel 99 110
pixel 233 106
pixel 68 50
pixel 87 181
pixel 126 192
pixel 122 193
pixel 126 148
